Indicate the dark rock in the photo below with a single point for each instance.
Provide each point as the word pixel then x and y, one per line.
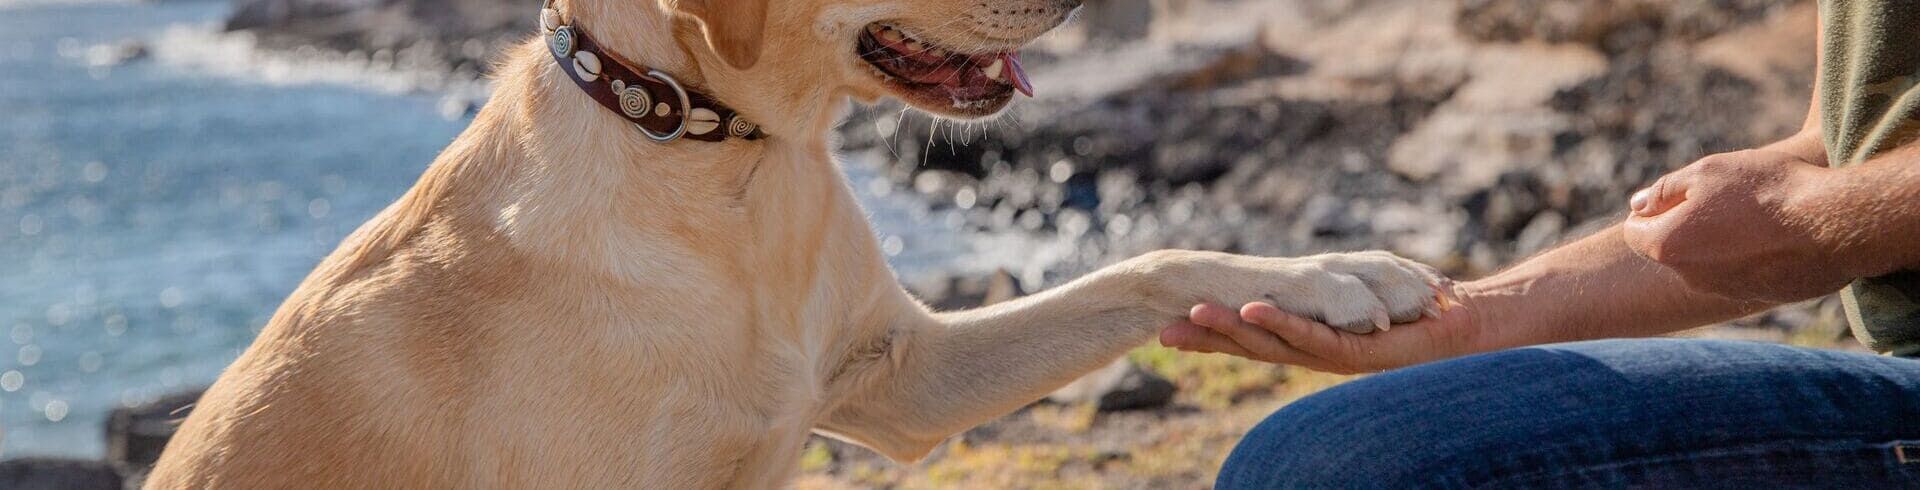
pixel 1122 20
pixel 1242 147
pixel 1328 216
pixel 1163 164
pixel 1500 211
pixel 1119 386
pixel 438 33
pixel 1652 112
pixel 59 474
pixel 1611 25
pixel 959 292
pixel 116 54
pixel 136 435
pixel 1543 232
pixel 457 107
pixel 1001 287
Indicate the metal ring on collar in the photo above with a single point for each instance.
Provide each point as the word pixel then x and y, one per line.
pixel 686 109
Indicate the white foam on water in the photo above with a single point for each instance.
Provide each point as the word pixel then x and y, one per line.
pixel 6 5
pixel 207 49
pixel 1027 256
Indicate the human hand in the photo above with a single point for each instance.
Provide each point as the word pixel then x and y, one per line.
pixel 1262 332
pixel 1740 225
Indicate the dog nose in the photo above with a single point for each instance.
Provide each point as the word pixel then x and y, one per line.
pixel 1069 4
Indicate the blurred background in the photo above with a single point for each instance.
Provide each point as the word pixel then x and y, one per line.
pixel 169 171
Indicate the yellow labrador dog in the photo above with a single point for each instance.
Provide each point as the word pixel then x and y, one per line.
pixel 641 268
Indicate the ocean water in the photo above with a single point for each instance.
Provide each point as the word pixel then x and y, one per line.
pixel 154 213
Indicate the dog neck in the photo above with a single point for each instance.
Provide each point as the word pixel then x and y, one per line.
pixel 557 175
pixel 647 34
pixel 637 31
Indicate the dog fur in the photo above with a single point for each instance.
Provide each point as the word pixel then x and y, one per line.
pixel 561 303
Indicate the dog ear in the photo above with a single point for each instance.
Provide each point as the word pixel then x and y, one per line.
pixel 735 29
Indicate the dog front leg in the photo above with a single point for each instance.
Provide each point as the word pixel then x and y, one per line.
pixel 941 374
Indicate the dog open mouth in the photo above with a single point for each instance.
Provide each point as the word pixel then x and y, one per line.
pixel 935 77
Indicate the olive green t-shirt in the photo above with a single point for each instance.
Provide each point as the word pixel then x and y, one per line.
pixel 1870 103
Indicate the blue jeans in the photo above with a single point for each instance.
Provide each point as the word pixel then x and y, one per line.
pixel 1662 413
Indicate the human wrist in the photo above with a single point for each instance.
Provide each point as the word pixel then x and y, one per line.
pixel 1491 319
pixel 1528 304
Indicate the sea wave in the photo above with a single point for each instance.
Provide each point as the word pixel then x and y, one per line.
pixel 6 5
pixel 209 50
pixel 927 247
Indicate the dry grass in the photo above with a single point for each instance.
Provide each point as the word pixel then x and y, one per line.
pixel 1072 447
pixel 1180 446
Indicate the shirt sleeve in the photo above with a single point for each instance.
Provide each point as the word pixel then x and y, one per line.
pixel 1870 104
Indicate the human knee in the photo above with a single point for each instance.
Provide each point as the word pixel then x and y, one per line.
pixel 1339 438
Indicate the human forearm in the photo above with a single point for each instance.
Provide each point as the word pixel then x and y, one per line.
pixel 1595 287
pixel 1868 215
pixel 1598 287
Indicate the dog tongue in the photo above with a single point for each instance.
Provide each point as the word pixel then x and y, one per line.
pixel 944 71
pixel 1016 74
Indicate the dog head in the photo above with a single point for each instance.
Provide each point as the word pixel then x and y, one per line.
pixel 951 58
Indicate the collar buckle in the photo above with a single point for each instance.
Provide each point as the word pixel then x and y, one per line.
pixel 685 109
pixel 637 93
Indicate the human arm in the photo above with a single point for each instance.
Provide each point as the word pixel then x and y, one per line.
pixel 1591 288
pixel 1727 236
pixel 1595 287
pixel 1882 233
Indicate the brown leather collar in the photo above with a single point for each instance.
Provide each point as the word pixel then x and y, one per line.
pixel 658 105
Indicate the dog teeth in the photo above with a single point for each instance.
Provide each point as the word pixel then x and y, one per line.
pixel 903 42
pixel 995 70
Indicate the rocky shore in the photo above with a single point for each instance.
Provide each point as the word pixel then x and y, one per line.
pixel 451 35
pixel 1466 134
pixel 135 436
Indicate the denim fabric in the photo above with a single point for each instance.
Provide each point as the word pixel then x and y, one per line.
pixel 1662 413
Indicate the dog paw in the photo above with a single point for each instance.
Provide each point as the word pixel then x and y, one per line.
pixel 1362 292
